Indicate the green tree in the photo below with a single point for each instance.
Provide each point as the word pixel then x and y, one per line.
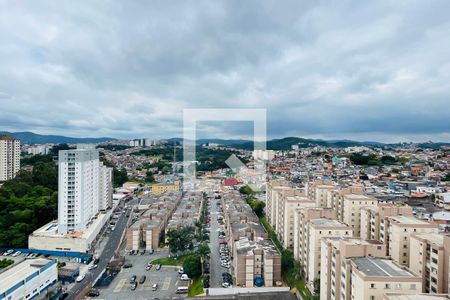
pixel 5 263
pixel 246 190
pixel 203 249
pixel 149 177
pixel 180 240
pixel 119 177
pixel 192 266
pixel 447 177
pixel 316 285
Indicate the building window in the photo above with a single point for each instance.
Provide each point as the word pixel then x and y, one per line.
pixel 387 286
pixel 372 285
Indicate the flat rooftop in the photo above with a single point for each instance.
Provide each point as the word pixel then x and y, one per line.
pixel 371 266
pixel 358 197
pixel 21 271
pixel 434 238
pixel 327 223
pixel 409 220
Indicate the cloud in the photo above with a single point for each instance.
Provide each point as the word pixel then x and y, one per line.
pixel 351 69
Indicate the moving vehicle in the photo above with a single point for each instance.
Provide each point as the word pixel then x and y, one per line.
pixel 92 267
pixel 80 278
pixel 127 265
pixel 181 271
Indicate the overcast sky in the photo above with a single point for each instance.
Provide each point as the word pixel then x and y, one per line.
pixel 364 70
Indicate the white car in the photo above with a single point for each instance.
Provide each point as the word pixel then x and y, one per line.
pixel 17 253
pixel 225 284
pixel 181 271
pixel 80 278
pixel 184 277
pixel 92 267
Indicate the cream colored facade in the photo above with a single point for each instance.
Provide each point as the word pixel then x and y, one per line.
pixel 372 277
pixel 374 218
pixel 428 258
pixel 286 215
pixel 351 212
pixel 400 229
pixel 316 230
pixel 274 190
pixel 301 220
pixel 258 258
pixel 335 198
pixel 9 157
pixel 334 251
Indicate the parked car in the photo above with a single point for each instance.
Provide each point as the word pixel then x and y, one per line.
pixel 92 267
pixel 142 279
pixel 127 265
pixel 133 279
pixel 154 287
pixel 94 293
pixel 180 270
pixel 17 253
pixel 158 267
pixel 80 278
pixel 133 286
pixel 225 284
pixel 184 277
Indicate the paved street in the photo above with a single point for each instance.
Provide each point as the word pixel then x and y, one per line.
pixel 105 257
pixel 216 270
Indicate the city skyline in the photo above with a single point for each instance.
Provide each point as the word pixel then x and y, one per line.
pixel 381 73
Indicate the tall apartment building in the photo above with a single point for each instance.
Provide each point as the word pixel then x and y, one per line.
pixel 301 219
pixel 373 219
pixel 429 259
pixel 9 157
pixel 311 188
pixel 352 204
pixel 288 202
pixel 334 252
pixel 274 188
pixel 316 230
pixel 372 277
pixel 335 198
pixel 400 229
pixel 106 188
pixel 83 188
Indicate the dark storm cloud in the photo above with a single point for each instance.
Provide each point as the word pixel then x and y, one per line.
pixel 353 69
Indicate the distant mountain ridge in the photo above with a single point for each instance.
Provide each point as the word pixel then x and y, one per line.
pixel 26 137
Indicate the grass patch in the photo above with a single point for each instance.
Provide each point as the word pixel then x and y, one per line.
pixel 170 261
pixel 272 234
pixel 196 287
pixel 303 290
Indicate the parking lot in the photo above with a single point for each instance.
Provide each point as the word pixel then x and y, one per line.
pixel 166 278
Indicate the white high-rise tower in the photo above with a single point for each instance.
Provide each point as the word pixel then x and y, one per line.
pixel 84 186
pixel 9 157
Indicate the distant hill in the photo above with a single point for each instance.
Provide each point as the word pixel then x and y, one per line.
pixel 287 142
pixel 33 138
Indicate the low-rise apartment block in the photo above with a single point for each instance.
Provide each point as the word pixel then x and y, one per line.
pixel 253 259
